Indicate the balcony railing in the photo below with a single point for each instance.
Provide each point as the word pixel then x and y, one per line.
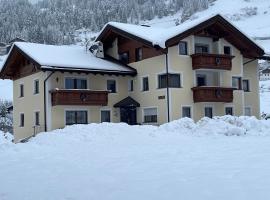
pixel 79 97
pixel 211 61
pixel 212 94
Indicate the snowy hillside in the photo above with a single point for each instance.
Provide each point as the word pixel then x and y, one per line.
pixel 180 160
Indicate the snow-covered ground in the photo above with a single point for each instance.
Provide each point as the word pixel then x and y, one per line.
pixel 180 160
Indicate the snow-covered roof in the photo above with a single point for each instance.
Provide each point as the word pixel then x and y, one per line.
pixel 159 36
pixel 68 57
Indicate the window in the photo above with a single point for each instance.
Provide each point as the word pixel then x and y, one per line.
pixel 76 117
pixel 21 90
pixel 186 111
pixel 37 121
pixel 36 87
pixel 247 111
pixel 105 116
pixel 174 81
pixel 124 57
pixel 150 115
pixel 227 50
pixel 145 86
pixel 246 85
pixel 236 83
pixel 229 111
pixel 201 48
pixel 201 80
pixel 21 120
pixel 138 54
pixel 130 86
pixel 74 83
pixel 208 112
pixel 183 48
pixel 111 86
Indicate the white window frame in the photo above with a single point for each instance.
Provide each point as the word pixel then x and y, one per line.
pixel 116 85
pixel 153 107
pixel 34 88
pixel 191 110
pixel 106 109
pixel 146 76
pixel 178 48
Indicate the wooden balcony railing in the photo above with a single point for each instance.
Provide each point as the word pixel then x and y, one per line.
pixel 79 97
pixel 212 94
pixel 212 61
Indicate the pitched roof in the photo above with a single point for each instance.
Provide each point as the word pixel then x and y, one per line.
pixel 127 102
pixel 50 57
pixel 164 37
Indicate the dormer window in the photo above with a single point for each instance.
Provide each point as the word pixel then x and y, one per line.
pixel 201 48
pixel 138 54
pixel 124 57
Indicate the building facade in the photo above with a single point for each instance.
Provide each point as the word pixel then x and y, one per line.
pixel 208 68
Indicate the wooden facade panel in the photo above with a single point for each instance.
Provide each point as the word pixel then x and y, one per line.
pixel 130 46
pixel 211 61
pixel 79 97
pixel 212 94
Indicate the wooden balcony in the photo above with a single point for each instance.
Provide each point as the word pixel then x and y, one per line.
pixel 212 94
pixel 79 97
pixel 212 61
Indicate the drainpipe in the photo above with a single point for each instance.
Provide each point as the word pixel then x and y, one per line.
pixel 167 86
pixel 45 100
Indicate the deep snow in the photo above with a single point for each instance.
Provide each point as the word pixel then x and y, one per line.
pixel 180 160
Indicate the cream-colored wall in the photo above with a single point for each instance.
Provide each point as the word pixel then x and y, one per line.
pixel 94 82
pixel 29 104
pixel 252 97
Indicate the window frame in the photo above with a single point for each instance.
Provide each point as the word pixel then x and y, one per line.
pixel 36 87
pixel 110 114
pixel 148 86
pixel 130 85
pixel 21 90
pixel 159 86
pixel 76 115
pixel 138 54
pixel 186 48
pixel 75 79
pixel 212 108
pixel 239 82
pixel 202 45
pixel 115 86
pixel 231 107
pixel 190 110
pixel 143 116
pixel 229 47
pixel 248 85
pixel 36 119
pixel 22 120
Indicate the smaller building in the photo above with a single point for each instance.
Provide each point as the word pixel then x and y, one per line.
pixel 265 74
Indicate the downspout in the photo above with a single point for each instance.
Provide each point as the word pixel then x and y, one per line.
pixel 45 100
pixel 167 86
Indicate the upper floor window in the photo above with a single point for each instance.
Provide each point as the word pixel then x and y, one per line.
pixel 246 85
pixel 227 50
pixel 111 86
pixel 236 83
pixel 75 83
pixel 130 85
pixel 138 54
pixel 183 48
pixel 36 87
pixel 21 90
pixel 22 120
pixel 174 80
pixel 124 57
pixel 150 115
pixel 201 48
pixel 145 84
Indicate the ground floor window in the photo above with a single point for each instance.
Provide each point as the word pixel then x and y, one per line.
pixel 229 111
pixel 37 120
pixel 76 117
pixel 208 112
pixel 22 120
pixel 247 111
pixel 105 116
pixel 186 111
pixel 150 115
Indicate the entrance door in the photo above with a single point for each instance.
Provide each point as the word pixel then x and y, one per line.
pixel 129 115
